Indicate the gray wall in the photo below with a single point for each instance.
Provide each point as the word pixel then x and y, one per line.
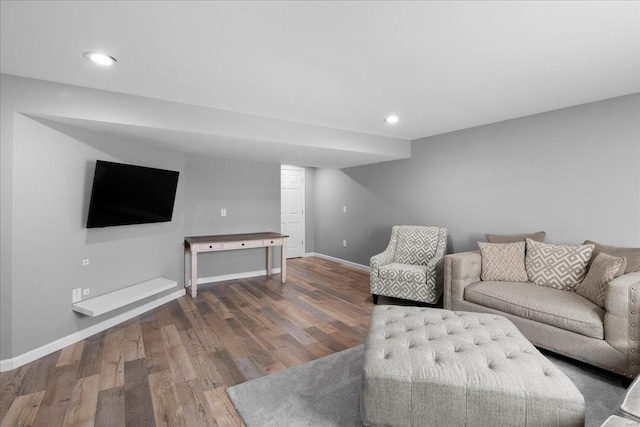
pixel 310 210
pixel 6 234
pixel 574 173
pixel 47 172
pixel 52 179
pixel 249 191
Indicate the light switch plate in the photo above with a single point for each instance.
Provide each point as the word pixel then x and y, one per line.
pixel 76 295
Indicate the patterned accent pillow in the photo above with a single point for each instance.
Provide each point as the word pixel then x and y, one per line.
pixel 557 266
pixel 623 266
pixel 603 268
pixel 503 261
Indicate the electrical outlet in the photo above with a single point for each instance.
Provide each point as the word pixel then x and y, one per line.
pixel 76 295
pixel 223 212
pixel 85 291
pixel 344 209
pixel 344 243
pixel 85 262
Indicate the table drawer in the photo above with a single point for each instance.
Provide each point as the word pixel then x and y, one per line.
pixel 242 245
pixel 208 247
pixel 272 242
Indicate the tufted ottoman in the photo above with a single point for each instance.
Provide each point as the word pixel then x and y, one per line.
pixel 431 367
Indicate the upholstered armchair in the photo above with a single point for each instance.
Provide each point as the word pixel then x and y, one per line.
pixel 412 265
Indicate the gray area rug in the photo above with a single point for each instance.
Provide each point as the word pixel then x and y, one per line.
pixel 325 393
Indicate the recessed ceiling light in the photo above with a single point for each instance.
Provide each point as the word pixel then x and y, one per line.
pixel 100 58
pixel 391 119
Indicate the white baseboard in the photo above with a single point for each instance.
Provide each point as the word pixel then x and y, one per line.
pixel 244 275
pixel 341 261
pixel 30 356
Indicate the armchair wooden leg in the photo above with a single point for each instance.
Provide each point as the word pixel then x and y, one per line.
pixel 375 298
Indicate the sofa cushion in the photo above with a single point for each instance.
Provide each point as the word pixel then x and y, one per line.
pixel 631 254
pixel 566 310
pixel 602 270
pixel 503 261
pixel 557 266
pixel 511 238
pixel 404 272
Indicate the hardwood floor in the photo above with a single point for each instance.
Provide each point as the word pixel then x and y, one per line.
pixel 171 366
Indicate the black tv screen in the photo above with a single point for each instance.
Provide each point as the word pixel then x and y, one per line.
pixel 127 194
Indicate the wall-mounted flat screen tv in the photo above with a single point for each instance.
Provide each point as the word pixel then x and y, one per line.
pixel 128 194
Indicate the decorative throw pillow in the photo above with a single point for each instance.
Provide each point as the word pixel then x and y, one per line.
pixel 557 266
pixel 511 238
pixel 503 261
pixel 602 270
pixel 622 268
pixel 632 255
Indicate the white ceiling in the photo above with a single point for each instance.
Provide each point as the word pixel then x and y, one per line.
pixel 440 66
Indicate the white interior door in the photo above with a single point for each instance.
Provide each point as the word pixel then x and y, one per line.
pixel 292 208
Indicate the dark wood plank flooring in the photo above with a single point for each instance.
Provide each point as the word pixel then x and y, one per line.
pixel 172 365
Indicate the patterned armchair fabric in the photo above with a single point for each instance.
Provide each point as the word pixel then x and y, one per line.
pixel 412 265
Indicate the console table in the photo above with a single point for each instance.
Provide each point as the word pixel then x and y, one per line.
pixel 226 242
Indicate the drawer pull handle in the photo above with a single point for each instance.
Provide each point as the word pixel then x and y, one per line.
pixel 243 244
pixel 210 247
pixel 272 241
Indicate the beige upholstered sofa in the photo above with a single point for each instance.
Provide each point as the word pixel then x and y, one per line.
pixel 560 321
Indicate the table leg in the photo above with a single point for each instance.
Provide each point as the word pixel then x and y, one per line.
pixel 283 261
pixel 194 274
pixel 186 267
pixel 269 261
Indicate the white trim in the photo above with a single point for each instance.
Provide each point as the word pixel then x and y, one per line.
pixel 214 279
pixel 341 261
pixel 30 356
